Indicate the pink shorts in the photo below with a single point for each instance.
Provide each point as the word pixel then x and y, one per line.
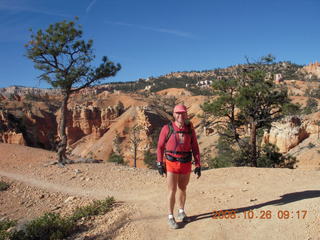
pixel 178 167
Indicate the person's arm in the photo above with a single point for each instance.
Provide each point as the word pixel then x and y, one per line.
pixel 195 149
pixel 162 143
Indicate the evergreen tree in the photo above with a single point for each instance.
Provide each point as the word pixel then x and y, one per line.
pixel 246 103
pixel 64 58
pixel 311 106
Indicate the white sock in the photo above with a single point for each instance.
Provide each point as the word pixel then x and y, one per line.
pixel 170 216
pixel 181 210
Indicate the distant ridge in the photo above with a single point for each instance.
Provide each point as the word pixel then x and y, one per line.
pixel 21 90
pixel 195 81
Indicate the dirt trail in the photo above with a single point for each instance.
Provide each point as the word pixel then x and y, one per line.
pixel 267 192
pixel 52 187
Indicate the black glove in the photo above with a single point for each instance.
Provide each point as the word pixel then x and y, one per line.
pixel 197 171
pixel 161 168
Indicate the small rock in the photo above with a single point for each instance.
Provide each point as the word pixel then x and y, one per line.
pixel 80 238
pixel 88 179
pixel 253 199
pixel 41 196
pixel 55 208
pixel 77 171
pixel 29 205
pixel 247 182
pixel 11 229
pixel 69 199
pixel 244 190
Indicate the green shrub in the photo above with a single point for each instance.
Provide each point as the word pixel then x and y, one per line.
pixel 4 226
pixel 311 106
pixel 4 235
pixel 126 130
pixel 4 186
pixel 150 159
pixel 271 157
pixel 311 145
pixel 313 92
pixel 98 207
pixel 155 137
pixel 219 162
pixel 116 159
pixel 291 109
pixel 50 226
pixel 225 155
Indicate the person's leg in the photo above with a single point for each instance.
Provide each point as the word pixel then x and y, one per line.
pixel 183 180
pixel 172 180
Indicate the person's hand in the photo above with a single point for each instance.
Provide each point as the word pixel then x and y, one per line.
pixel 197 171
pixel 161 168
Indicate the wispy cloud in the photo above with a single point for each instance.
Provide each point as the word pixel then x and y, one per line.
pixel 13 6
pixel 15 19
pixel 162 30
pixel 90 5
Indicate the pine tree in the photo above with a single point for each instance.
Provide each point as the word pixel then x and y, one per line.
pixel 64 58
pixel 248 99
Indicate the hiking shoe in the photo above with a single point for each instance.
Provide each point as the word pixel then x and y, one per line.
pixel 183 217
pixel 172 223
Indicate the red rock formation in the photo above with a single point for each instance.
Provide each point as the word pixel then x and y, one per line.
pixel 291 132
pixel 8 132
pixel 28 129
pixel 313 68
pixel 88 120
pixel 12 138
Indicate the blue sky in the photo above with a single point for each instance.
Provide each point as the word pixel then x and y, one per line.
pixel 152 38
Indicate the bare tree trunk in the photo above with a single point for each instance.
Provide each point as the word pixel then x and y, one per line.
pixel 253 144
pixel 62 146
pixel 135 140
pixel 135 156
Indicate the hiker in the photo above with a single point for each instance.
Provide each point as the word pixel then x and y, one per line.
pixel 176 145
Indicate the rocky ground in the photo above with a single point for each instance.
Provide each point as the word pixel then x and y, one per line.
pixel 259 196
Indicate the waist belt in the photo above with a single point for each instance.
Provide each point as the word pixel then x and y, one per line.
pixel 182 160
pixel 176 152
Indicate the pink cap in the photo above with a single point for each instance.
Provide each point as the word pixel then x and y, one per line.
pixel 180 108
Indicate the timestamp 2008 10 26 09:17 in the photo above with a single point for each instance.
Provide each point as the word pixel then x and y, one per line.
pixel 261 214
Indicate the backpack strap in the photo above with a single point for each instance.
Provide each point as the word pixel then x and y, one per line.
pixel 171 130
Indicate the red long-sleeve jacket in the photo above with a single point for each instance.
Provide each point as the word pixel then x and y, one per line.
pixel 186 143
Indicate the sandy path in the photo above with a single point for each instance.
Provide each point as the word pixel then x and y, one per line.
pixel 150 219
pixel 271 191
